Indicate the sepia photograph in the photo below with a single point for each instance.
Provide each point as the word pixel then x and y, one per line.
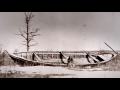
pixel 59 44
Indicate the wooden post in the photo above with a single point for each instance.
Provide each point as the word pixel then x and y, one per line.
pixel 26 55
pixel 43 56
pixel 21 54
pixel 111 48
pixel 52 55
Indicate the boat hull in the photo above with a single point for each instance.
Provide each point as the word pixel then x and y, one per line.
pixel 93 59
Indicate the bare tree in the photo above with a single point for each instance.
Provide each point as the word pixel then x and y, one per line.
pixel 28 34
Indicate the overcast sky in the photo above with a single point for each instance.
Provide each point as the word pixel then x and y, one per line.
pixel 63 30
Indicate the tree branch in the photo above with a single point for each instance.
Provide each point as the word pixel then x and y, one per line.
pixel 33 34
pixel 34 30
pixel 25 14
pixel 30 39
pixel 33 44
pixel 30 16
pixel 25 32
pixel 22 35
pixel 24 44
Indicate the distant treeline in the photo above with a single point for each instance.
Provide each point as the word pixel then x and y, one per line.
pixel 68 51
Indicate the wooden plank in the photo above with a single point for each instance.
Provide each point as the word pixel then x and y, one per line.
pixel 37 57
pixel 111 48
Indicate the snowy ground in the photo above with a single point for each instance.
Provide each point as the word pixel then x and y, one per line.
pixel 86 73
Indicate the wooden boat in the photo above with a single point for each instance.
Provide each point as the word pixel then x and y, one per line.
pixel 90 60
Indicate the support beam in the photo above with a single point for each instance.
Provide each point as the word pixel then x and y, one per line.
pixel 111 48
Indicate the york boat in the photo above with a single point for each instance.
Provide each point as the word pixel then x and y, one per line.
pixel 88 60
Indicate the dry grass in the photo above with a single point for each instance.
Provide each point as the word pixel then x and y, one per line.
pixel 113 65
pixel 1 59
pixel 23 75
pixel 5 60
pixel 16 75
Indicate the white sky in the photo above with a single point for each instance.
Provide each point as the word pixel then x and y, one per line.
pixel 63 30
